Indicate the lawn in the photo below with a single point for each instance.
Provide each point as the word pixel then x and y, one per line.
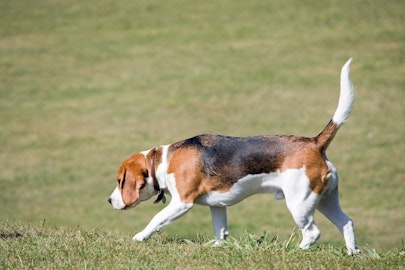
pixel 84 84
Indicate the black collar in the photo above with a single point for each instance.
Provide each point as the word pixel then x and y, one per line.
pixel 160 192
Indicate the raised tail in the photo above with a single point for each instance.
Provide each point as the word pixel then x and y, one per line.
pixel 343 110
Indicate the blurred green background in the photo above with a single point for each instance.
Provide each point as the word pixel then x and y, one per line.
pixel 85 84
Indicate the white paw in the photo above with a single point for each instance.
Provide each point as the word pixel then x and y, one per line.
pixel 139 237
pixel 219 242
pixel 304 246
pixel 353 251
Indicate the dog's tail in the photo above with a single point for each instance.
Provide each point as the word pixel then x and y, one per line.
pixel 343 110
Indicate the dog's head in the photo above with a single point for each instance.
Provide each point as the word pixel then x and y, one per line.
pixel 134 183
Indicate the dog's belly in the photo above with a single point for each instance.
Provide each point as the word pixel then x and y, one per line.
pixel 247 186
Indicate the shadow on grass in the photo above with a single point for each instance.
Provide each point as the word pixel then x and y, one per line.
pixel 9 235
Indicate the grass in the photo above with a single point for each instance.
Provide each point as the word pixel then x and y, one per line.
pixel 85 84
pixel 24 246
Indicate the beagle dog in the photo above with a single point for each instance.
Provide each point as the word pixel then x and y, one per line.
pixel 219 171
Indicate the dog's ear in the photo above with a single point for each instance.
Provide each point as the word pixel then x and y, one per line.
pixel 132 178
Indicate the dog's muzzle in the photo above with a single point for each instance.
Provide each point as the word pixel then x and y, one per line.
pixel 116 200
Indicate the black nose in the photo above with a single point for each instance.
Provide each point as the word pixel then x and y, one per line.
pixel 109 200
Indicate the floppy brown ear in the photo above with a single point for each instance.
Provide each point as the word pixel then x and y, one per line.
pixel 128 188
pixel 133 179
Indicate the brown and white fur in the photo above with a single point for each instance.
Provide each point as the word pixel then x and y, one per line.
pixel 219 171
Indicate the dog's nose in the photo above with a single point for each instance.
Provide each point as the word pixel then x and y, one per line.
pixel 109 200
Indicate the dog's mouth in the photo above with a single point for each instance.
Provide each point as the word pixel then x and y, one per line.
pixel 127 207
pixel 123 208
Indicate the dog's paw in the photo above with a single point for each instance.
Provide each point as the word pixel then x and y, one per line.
pixel 354 251
pixel 139 237
pixel 219 243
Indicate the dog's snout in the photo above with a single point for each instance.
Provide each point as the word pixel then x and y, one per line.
pixel 109 200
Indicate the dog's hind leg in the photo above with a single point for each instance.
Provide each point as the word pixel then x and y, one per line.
pixel 310 231
pixel 220 223
pixel 330 207
pixel 303 214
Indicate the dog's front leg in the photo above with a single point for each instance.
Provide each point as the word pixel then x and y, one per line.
pixel 220 223
pixel 171 212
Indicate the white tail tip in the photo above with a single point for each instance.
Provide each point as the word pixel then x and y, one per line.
pixel 346 95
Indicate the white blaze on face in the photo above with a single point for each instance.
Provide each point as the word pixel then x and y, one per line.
pixel 116 200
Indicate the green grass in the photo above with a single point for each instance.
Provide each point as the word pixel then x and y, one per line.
pixel 85 84
pixel 23 246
